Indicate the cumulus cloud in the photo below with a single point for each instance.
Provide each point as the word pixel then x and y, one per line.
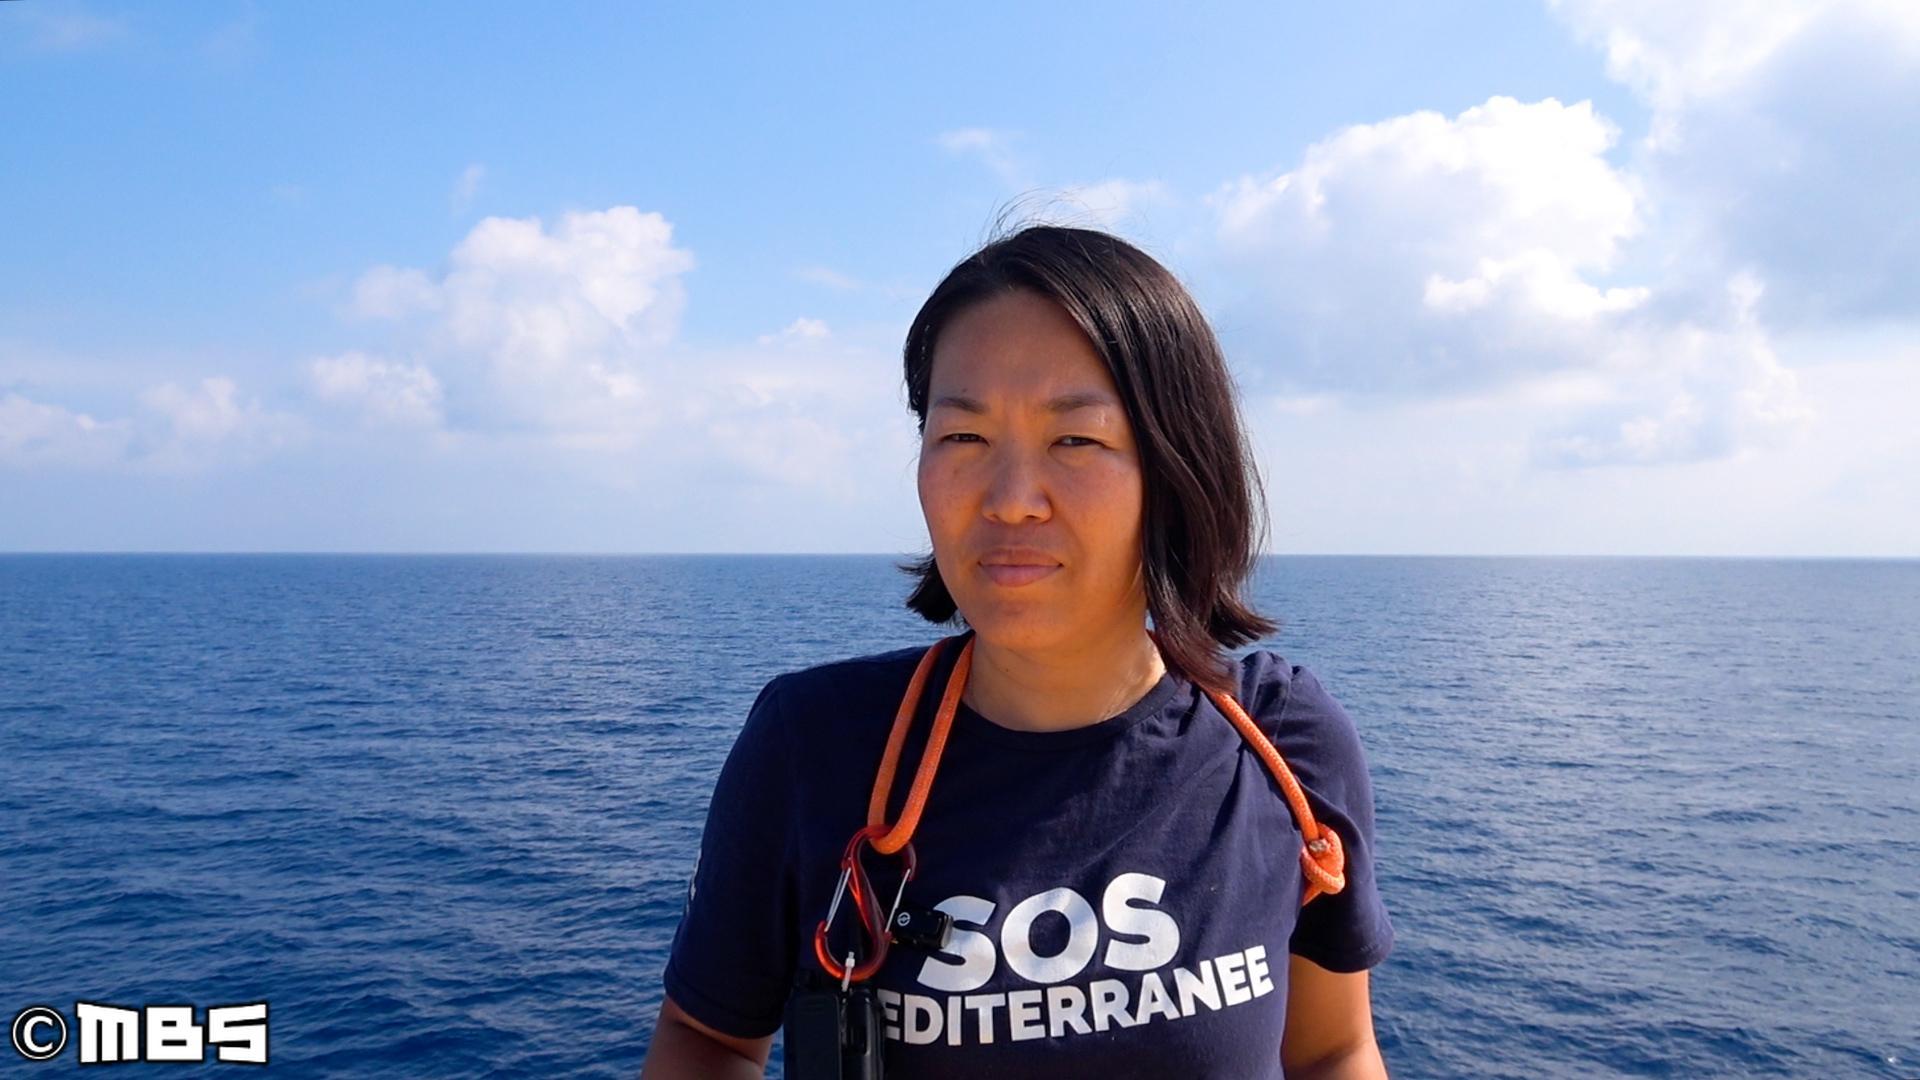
pixel 391 292
pixel 561 320
pixel 1782 143
pixel 1428 256
pixel 187 428
pixel 386 392
pixel 1683 392
pixel 568 334
pixel 34 433
pixel 174 429
pixel 1670 53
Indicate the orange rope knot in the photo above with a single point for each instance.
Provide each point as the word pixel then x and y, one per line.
pixel 1324 862
pixel 1322 859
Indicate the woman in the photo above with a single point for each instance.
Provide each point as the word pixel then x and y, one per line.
pixel 1122 873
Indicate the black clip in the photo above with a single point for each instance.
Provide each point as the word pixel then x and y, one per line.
pixel 921 928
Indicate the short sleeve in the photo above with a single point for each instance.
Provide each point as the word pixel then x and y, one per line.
pixel 731 965
pixel 1349 930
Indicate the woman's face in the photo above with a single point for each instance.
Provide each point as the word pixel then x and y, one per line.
pixel 1027 446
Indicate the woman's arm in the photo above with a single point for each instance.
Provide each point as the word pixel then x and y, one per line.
pixel 685 1047
pixel 1329 1033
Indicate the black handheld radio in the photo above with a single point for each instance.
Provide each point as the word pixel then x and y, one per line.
pixel 833 1034
pixel 834 1029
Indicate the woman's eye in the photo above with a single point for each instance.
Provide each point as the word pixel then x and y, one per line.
pixel 1064 438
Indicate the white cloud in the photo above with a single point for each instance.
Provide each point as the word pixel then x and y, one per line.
pixel 1116 204
pixel 174 429
pixel 1782 143
pixel 1426 254
pixel 537 298
pixel 562 321
pixel 988 146
pixel 466 187
pixel 1685 393
pixel 1500 179
pixel 798 331
pixel 1432 257
pixel 1669 53
pixel 1531 281
pixel 35 434
pixel 567 335
pixel 387 392
pixel 1458 475
pixel 964 140
pixel 389 292
pixel 185 429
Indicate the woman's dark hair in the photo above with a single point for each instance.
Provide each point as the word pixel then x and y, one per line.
pixel 1202 489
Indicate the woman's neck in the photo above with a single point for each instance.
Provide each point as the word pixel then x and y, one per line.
pixel 1062 689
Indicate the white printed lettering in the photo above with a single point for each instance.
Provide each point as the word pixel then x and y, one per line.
pixel 1110 1004
pixel 1233 978
pixel 969 956
pixel 1065 1006
pixel 983 1006
pixel 1083 937
pixel 1154 999
pixel 1023 1015
pixel 1194 988
pixel 922 1019
pixel 1257 970
pixel 1158 927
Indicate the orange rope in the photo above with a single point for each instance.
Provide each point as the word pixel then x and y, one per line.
pixel 895 837
pixel 1322 859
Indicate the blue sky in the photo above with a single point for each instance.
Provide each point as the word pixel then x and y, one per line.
pixel 1580 277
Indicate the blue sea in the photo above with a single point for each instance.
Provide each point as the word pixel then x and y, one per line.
pixel 1637 817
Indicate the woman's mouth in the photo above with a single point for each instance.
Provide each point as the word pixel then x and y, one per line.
pixel 1013 575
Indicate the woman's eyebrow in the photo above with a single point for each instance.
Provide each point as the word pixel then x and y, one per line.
pixel 1064 403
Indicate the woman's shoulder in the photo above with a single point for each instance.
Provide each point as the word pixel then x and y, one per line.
pixel 852 673
pixel 1307 724
pixel 811 721
pixel 850 690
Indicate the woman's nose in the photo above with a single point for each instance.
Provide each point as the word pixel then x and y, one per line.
pixel 1016 489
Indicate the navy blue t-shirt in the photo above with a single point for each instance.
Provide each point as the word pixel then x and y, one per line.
pixel 1124 895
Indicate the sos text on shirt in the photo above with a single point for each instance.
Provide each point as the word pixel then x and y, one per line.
pixel 1059 1007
